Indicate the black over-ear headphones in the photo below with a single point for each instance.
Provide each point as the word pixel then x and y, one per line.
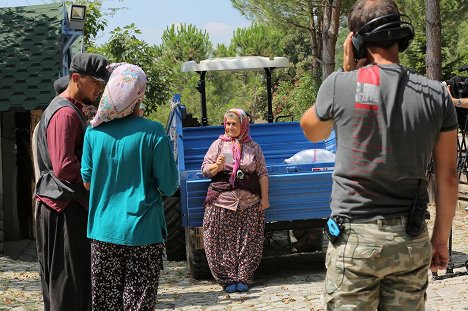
pixel 385 28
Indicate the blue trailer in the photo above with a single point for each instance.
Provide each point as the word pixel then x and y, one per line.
pixel 299 193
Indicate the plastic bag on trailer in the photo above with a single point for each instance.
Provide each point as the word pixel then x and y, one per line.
pixel 311 156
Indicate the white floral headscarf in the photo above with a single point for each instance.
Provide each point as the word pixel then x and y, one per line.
pixel 125 89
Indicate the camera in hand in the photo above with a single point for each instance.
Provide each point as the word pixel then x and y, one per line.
pixel 459 84
pixel 459 89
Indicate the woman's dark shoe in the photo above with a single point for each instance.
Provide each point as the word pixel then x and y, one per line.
pixel 231 288
pixel 241 287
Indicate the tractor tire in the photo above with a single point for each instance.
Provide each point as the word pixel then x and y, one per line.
pixel 175 242
pixel 196 257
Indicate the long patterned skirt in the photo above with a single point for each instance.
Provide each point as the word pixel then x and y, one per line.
pixel 233 243
pixel 125 277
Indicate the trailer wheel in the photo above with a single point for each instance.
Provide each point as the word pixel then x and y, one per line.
pixel 307 240
pixel 175 242
pixel 196 258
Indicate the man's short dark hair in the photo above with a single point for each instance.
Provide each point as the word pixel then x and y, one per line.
pixel 363 11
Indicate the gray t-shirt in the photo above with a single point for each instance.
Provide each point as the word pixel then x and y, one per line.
pixel 386 127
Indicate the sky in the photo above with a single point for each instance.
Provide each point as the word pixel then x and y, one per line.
pixel 152 17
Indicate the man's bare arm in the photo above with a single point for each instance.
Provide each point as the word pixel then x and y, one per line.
pixel 445 163
pixel 314 129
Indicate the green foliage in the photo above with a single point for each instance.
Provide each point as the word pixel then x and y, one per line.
pixel 257 40
pixel 278 13
pixel 95 22
pixel 294 98
pixel 124 46
pixel 462 47
pixel 179 44
pixel 224 90
pixel 342 34
pixel 296 44
pixel 297 20
pixel 224 51
pixel 281 28
pixel 318 19
pixel 454 16
pixel 414 56
pixel 247 90
pixel 454 19
pixel 186 42
pixel 251 94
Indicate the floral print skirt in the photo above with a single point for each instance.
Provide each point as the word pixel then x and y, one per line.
pixel 233 242
pixel 125 277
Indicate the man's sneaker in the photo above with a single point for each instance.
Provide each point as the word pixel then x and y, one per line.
pixel 231 288
pixel 241 287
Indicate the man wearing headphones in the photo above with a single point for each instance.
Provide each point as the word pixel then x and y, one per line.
pixel 388 121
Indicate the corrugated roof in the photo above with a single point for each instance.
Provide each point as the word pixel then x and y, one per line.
pixel 30 55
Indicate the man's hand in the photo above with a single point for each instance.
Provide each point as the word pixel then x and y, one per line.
pixel 440 256
pixel 349 64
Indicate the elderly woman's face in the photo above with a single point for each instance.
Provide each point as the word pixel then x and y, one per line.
pixel 233 127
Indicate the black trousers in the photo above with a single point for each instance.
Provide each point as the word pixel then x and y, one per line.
pixel 64 255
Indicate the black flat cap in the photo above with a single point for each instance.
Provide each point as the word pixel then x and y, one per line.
pixel 61 84
pixel 93 65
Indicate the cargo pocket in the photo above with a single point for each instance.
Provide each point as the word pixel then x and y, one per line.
pixel 334 270
pixel 352 262
pixel 351 271
pixel 419 253
pixel 361 252
pixel 419 248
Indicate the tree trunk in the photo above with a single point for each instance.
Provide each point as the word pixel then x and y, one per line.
pixel 433 35
pixel 331 16
pixel 313 36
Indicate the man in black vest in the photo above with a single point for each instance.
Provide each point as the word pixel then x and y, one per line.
pixel 62 202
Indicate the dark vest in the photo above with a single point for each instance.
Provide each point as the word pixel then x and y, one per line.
pixel 49 185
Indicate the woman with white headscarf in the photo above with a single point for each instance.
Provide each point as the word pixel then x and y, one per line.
pixel 127 165
pixel 234 219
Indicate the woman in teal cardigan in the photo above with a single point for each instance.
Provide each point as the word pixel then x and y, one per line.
pixel 127 165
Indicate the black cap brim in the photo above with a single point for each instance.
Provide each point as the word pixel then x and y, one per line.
pixel 100 79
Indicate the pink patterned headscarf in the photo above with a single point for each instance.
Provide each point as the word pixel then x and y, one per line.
pixel 125 89
pixel 237 142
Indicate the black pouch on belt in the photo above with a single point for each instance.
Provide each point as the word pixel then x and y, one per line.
pixel 416 216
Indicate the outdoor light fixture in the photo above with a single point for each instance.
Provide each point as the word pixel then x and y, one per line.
pixel 76 17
